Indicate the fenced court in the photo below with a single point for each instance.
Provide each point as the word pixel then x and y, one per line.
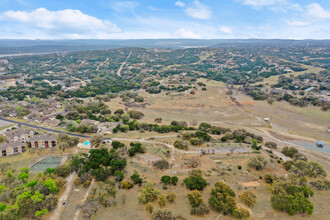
pixel 46 162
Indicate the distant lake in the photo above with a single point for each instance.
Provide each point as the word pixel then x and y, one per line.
pixel 310 145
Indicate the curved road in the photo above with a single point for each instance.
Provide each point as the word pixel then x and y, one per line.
pixel 48 129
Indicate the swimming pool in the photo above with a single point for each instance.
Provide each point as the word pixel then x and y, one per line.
pixel 87 143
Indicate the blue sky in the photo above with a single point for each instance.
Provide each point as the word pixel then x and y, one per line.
pixel 206 19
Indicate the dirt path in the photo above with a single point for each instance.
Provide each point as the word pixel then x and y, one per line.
pixel 123 64
pixel 98 67
pixel 76 216
pixel 222 150
pixel 57 213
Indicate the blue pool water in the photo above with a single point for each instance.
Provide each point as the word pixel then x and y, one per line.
pixel 86 143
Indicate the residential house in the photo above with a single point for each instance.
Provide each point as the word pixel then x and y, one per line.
pixel 51 122
pixel 88 122
pixel 19 134
pixel 42 141
pixel 12 148
pixel 32 115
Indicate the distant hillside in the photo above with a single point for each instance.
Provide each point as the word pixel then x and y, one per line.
pixel 52 46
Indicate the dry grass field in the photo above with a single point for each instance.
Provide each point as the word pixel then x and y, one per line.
pixel 127 206
pixel 217 108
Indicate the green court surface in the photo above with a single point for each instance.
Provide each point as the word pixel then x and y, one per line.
pixel 47 162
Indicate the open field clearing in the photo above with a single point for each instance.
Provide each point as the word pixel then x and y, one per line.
pixel 273 79
pixel 215 107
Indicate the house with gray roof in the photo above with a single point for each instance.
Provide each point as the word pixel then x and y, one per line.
pixel 42 141
pixel 12 148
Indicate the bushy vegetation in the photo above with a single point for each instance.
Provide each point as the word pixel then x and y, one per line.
pixel 149 193
pixel 23 197
pixel 136 148
pixel 289 197
pixel 198 207
pixel 100 163
pixel 257 162
pixel 195 181
pixel 305 168
pixel 161 164
pixel 248 198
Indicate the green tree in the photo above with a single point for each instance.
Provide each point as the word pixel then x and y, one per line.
pixel 241 213
pixel 257 162
pixel 148 194
pixel 195 181
pixel 41 213
pixel 195 198
pixel 162 201
pixel 51 185
pixel 23 176
pixel 96 141
pixel 165 179
pixel 37 197
pixel 222 198
pixel 248 198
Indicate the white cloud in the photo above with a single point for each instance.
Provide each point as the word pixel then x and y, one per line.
pixel 275 5
pixel 180 4
pixel 226 30
pixel 298 23
pixel 198 10
pixel 62 23
pixel 184 33
pixel 316 11
pixel 124 6
pixel 153 8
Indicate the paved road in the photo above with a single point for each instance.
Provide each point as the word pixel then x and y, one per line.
pixel 48 129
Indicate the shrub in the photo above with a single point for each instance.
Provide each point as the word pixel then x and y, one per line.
pixel 174 180
pixel 162 201
pixel 117 144
pixel 135 114
pixel 180 145
pixel 269 178
pixel 299 156
pixel 241 213
pixel 248 198
pixel 195 181
pixel 257 162
pixel 49 170
pixel 126 185
pixel 288 164
pixel 270 144
pixel 171 197
pixel 165 179
pixel 320 184
pixel 119 175
pixel 196 141
pixel 289 151
pixel 148 194
pixel 193 162
pixel 161 164
pixel 195 198
pixel 149 207
pixel 51 186
pixel 239 167
pixel 165 215
pixel 136 148
pixel 136 178
pixel 292 204
pixel 200 210
pixel 2 207
pixel 203 136
pixel 222 198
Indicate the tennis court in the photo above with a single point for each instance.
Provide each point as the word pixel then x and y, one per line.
pixel 47 162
